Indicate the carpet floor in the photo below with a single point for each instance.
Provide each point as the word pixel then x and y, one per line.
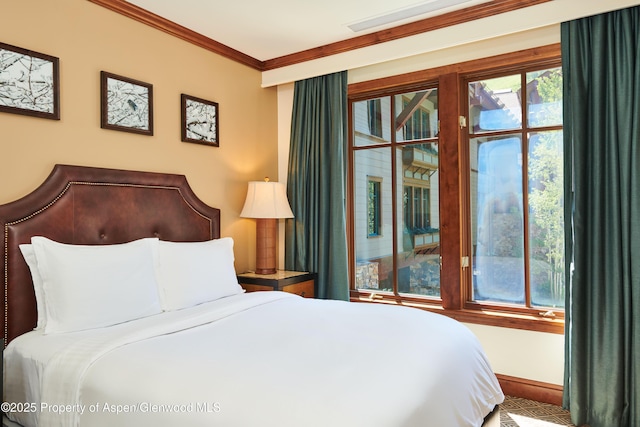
pixel 517 412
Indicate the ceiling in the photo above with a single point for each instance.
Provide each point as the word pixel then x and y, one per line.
pixel 290 40
pixel 269 29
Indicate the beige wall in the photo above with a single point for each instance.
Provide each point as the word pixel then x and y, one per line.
pixel 88 38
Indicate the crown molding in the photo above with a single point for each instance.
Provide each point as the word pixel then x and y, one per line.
pixel 158 22
pixel 461 16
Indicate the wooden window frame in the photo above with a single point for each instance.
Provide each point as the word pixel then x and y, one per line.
pixel 454 235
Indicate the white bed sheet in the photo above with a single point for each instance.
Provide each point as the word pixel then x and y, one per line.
pixel 259 359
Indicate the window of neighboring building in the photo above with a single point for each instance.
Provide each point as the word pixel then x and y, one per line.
pixel 417 125
pixel 374 111
pixel 470 178
pixel 374 199
pixel 416 207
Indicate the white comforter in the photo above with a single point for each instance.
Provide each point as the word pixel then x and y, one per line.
pixel 258 359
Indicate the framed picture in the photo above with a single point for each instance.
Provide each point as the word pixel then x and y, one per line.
pixel 29 83
pixel 125 104
pixel 200 121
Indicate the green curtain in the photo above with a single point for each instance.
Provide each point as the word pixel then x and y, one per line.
pixel 316 237
pixel 601 67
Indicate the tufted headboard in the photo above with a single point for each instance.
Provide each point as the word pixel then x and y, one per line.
pixel 93 206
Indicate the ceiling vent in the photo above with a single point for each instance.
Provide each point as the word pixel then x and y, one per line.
pixel 399 15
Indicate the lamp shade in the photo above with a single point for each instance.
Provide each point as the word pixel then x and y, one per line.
pixel 266 199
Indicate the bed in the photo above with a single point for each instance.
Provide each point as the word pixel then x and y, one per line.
pixel 122 308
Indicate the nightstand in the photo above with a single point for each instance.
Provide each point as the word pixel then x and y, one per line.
pixel 295 282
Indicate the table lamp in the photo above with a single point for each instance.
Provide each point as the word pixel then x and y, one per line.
pixel 266 201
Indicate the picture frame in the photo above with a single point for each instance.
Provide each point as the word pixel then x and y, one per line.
pixel 200 121
pixel 29 82
pixel 125 104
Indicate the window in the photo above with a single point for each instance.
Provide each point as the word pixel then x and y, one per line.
pixel 374 110
pixel 517 188
pixel 416 207
pixel 417 124
pixel 466 206
pixel 404 258
pixel 373 207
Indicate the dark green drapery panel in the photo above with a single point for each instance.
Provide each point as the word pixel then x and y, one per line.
pixel 601 67
pixel 316 236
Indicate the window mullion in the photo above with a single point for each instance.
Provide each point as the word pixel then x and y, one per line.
pixel 394 198
pixel 450 224
pixel 525 191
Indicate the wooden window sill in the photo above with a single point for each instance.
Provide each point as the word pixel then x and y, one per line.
pixel 484 316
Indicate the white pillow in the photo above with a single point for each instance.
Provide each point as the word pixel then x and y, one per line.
pixel 192 273
pixel 88 287
pixel 30 257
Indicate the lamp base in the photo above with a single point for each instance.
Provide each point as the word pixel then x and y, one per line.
pixel 266 232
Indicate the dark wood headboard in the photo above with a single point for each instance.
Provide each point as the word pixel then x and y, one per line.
pixel 93 206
